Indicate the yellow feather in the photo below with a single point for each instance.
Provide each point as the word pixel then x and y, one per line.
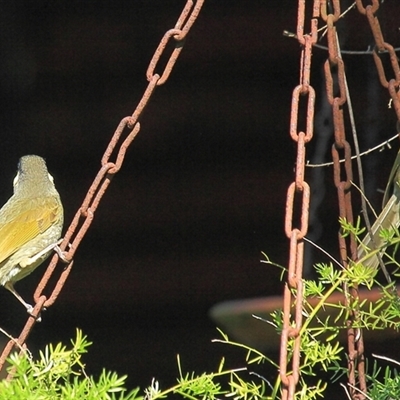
pixel 37 216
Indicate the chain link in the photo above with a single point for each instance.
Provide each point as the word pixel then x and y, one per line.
pixel 382 47
pixel 363 10
pixel 85 215
pixel 343 176
pixel 336 11
pixel 292 327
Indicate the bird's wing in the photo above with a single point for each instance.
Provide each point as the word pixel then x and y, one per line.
pixel 37 217
pixel 388 218
pixel 392 181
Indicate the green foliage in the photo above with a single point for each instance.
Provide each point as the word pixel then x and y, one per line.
pixel 211 386
pixel 321 351
pixel 60 374
pixel 327 317
pixel 385 384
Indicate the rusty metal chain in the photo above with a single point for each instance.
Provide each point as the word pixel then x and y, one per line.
pixel 111 163
pixel 343 176
pixel 392 84
pixel 292 326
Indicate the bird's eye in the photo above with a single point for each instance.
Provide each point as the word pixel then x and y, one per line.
pixel 15 181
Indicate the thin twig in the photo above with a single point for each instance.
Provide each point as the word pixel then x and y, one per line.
pixel 23 349
pixel 362 194
pixel 325 28
pixel 386 359
pixel 346 391
pixel 356 389
pixel 380 146
pixel 323 251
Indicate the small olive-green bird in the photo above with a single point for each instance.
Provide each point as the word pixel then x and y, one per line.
pixel 387 219
pixel 30 223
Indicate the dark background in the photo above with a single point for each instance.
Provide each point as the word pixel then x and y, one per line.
pixel 203 186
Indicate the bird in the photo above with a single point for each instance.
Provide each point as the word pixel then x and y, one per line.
pixel 389 218
pixel 31 223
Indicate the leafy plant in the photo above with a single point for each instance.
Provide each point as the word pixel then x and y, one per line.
pixel 59 372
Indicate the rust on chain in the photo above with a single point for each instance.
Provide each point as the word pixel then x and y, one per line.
pixel 287 299
pixel 301 11
pixel 393 84
pixel 298 316
pixel 380 45
pixel 370 11
pixel 294 282
pixel 57 288
pixel 331 38
pixel 355 347
pixel 292 277
pixel 292 324
pixel 337 173
pixel 395 95
pixel 330 89
pixel 345 211
pixel 85 214
pixel 295 269
pixel 362 9
pixel 171 34
pixel 301 36
pixel 352 356
pixel 294 112
pixel 290 210
pixel 178 34
pixel 393 61
pixel 122 150
pixel 336 10
pixel 343 177
pixel 300 162
pixel 20 341
pixel 348 168
pixel 338 123
pixel 356 358
pixel 375 28
pixel 316 14
pixel 305 63
pixel 334 61
pixel 143 102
